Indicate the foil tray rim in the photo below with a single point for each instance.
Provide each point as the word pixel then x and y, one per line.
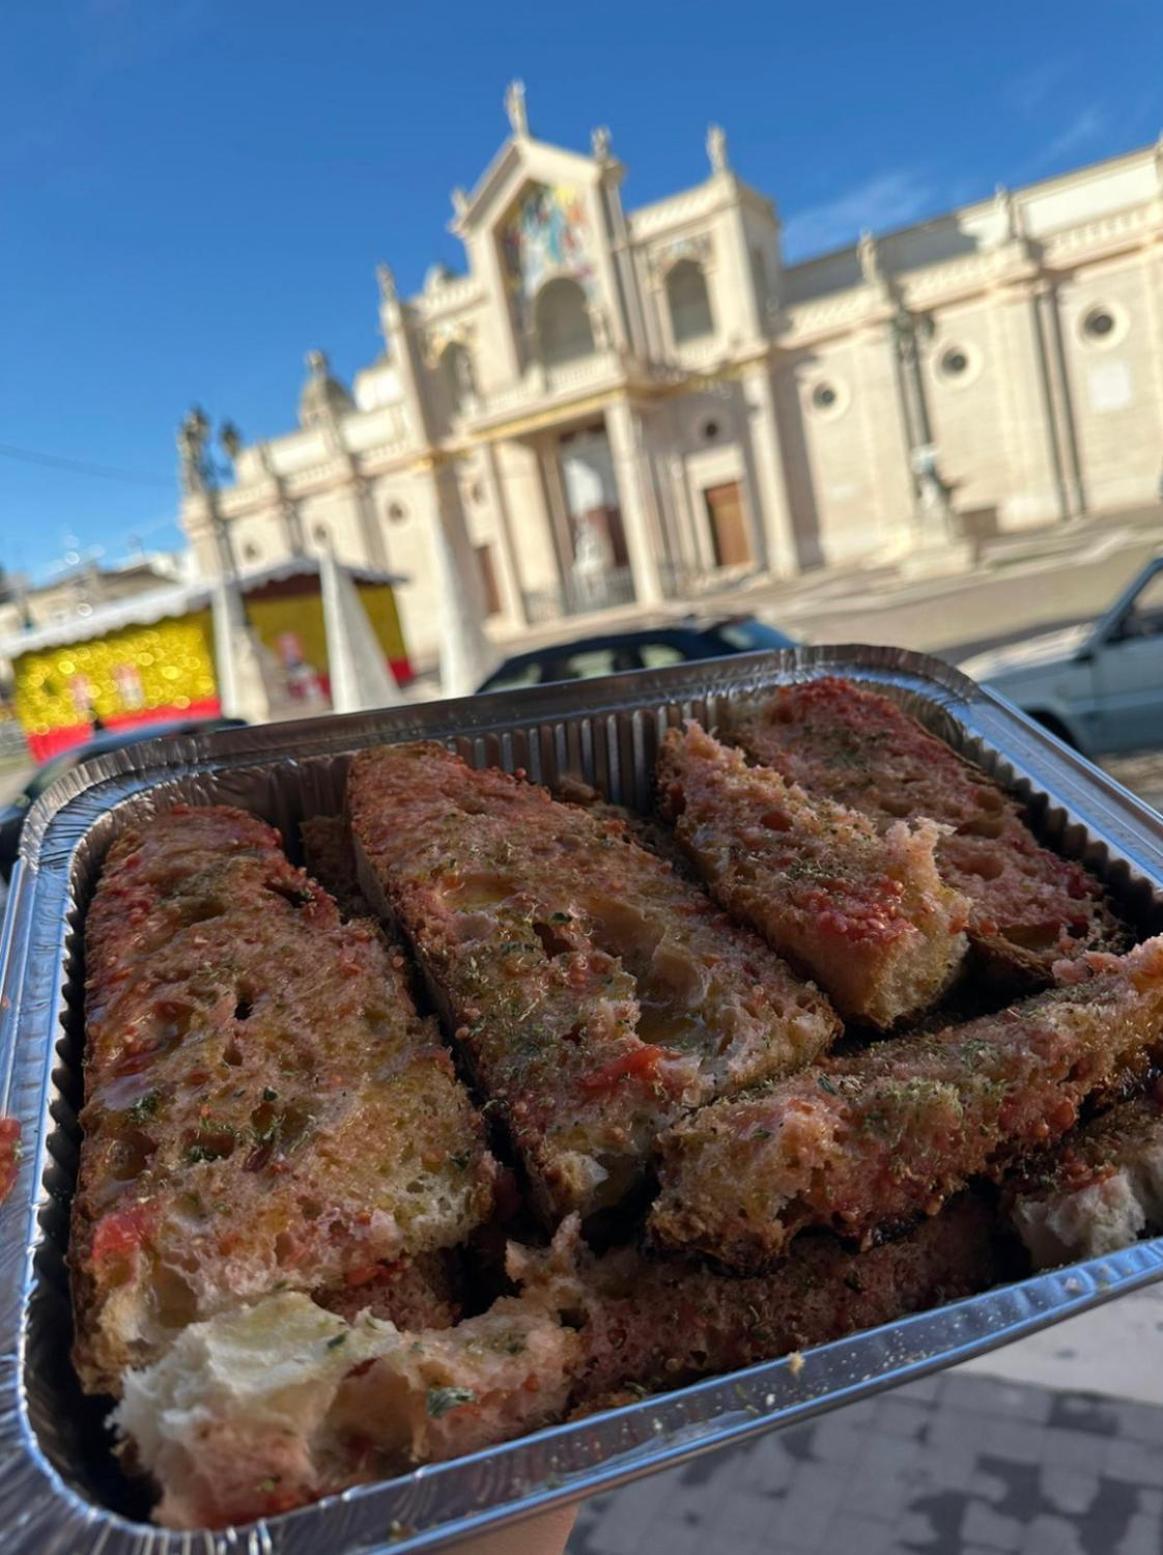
pixel 439 1503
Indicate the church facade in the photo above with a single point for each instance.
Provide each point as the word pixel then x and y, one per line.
pixel 612 406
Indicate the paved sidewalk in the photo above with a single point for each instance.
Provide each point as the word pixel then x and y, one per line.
pixel 957 1464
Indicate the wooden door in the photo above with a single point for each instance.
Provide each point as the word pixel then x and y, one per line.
pixel 729 537
pixel 489 587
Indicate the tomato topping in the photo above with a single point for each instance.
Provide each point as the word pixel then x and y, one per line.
pixel 119 1235
pixel 362 1274
pixel 641 1063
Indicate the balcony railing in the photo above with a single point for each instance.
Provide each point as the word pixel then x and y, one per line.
pixel 579 597
pixel 613 588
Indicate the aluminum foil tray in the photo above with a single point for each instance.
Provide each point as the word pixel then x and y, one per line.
pixel 60 1489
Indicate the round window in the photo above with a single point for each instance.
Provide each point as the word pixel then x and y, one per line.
pixel 710 431
pixel 954 362
pixel 396 512
pixel 320 533
pixel 251 552
pixel 824 396
pixel 1098 324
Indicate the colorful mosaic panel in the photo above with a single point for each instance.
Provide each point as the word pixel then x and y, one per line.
pixel 545 235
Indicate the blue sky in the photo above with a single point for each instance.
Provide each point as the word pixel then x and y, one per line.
pixel 193 193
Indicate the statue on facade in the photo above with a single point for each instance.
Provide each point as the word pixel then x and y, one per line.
pixel 591 562
pixel 515 107
pixel 459 203
pixel 387 282
pixel 600 143
pixel 600 327
pixel 231 439
pixel 1010 226
pixel 193 437
pixel 717 148
pixel 933 489
pixel 869 256
pixel 465 377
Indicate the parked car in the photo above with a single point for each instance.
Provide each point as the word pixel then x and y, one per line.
pixel 1098 686
pixel 652 649
pixel 12 815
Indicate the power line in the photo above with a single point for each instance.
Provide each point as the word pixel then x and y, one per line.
pixel 81 467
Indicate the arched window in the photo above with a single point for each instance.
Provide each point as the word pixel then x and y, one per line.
pixel 456 373
pixel 689 302
pixel 563 323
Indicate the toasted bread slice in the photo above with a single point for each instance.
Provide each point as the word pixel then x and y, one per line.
pixel 1099 1191
pixel 257 1411
pixel 647 1323
pixel 867 916
pixel 595 993
pixel 264 1108
pixel 887 1134
pixel 262 1409
pixel 1028 906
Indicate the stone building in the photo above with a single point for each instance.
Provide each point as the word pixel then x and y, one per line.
pixel 615 405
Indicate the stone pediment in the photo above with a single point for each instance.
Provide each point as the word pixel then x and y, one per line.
pixel 521 161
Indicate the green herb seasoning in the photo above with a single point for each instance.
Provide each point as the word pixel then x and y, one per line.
pixel 441 1400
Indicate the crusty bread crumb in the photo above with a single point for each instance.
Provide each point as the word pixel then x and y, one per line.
pixel 850 743
pixel 889 1133
pixel 1099 1192
pixel 257 1411
pixel 594 993
pixel 262 1409
pixel 864 914
pixel 264 1107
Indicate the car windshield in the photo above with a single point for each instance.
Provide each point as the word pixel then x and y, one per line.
pixel 748 635
pixel 1145 616
pixel 511 678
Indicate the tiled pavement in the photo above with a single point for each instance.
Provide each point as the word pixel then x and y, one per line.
pixel 956 1464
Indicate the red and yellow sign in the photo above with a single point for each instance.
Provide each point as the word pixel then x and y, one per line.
pixel 136 674
pixel 143 674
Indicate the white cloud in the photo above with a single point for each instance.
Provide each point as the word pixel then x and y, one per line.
pixel 1030 91
pixel 891 199
pixel 1086 127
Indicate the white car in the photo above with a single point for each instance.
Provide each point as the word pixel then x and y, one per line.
pixel 1098 686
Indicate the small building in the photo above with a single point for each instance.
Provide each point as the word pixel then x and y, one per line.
pixel 614 406
pixel 162 655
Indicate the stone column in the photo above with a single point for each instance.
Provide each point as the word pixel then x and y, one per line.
pixel 1058 395
pixel 510 562
pixel 395 321
pixel 1036 472
pixel 776 528
pixel 485 261
pixel 560 528
pixel 640 543
pixel 367 521
pixel 1039 344
pixel 293 525
pixel 877 403
pixel 1152 270
pixel 466 655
